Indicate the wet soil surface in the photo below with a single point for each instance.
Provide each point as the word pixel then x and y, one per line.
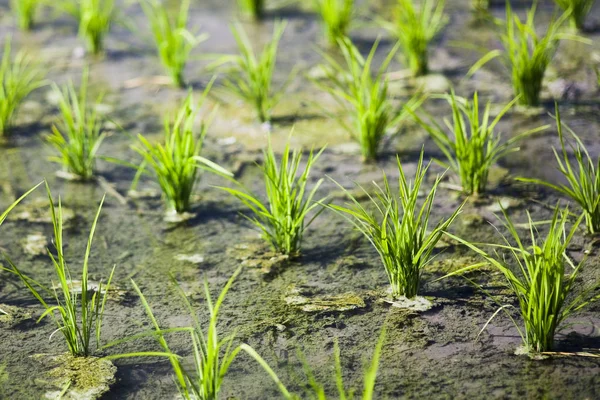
pixel 432 354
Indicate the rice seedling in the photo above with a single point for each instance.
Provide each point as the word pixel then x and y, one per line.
pixel 415 28
pixel 78 312
pixel 544 279
pixel 212 356
pixel 582 176
pixel 25 11
pixel 579 10
pixel 95 19
pixel 252 8
pixel 177 162
pixel 475 147
pixel 336 17
pixel 19 76
pixel 527 54
pixel 174 42
pixel 398 228
pixel 251 75
pixel 282 218
pixel 78 136
pixel 363 96
pixel 315 389
pixel 16 202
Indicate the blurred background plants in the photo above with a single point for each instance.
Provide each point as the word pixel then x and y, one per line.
pixel 252 8
pixel 19 76
pixel 25 12
pixel 336 18
pixel 95 19
pixel 579 9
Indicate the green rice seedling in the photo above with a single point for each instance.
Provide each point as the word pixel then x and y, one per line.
pixel 177 162
pixel 252 8
pixel 544 279
pixel 78 136
pixel 316 390
pixel 25 11
pixel 95 19
pixel 282 217
pixel 475 147
pixel 13 205
pixel 78 312
pixel 527 54
pixel 174 42
pixel 336 17
pixel 212 356
pixel 251 74
pixel 579 10
pixel 398 228
pixel 415 28
pixel 19 76
pixel 363 96
pixel 582 176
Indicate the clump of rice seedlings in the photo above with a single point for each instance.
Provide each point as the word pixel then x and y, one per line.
pixel 19 76
pixel 543 281
pixel 174 42
pixel 78 311
pixel 363 96
pixel 95 18
pixel 176 163
pixel 212 356
pixel 399 228
pixel 251 74
pixel 25 11
pixel 315 389
pixel 79 134
pixel 415 28
pixel 252 8
pixel 582 176
pixel 579 10
pixel 527 54
pixel 336 17
pixel 282 218
pixel 475 146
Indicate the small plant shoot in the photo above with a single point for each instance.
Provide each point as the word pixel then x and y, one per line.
pixel 362 96
pixel 475 146
pixel 543 281
pixel 582 177
pixel 252 8
pixel 76 307
pixel 25 12
pixel 526 53
pixel 174 42
pixel 579 10
pixel 19 76
pixel 336 17
pixel 282 219
pixel 176 163
pixel 398 228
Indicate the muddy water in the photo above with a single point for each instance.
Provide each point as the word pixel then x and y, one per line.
pixel 427 355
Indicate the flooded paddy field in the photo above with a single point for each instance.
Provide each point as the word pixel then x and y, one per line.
pixel 335 290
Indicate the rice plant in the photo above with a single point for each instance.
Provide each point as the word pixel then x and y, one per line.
pixel 25 11
pixel 579 10
pixel 543 281
pixel 362 96
pixel 79 135
pixel 582 176
pixel 315 389
pixel 282 218
pixel 252 8
pixel 527 54
pixel 16 202
pixel 174 42
pixel 251 75
pixel 19 76
pixel 95 19
pixel 415 28
pixel 398 227
pixel 336 17
pixel 77 312
pixel 475 146
pixel 176 163
pixel 212 356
